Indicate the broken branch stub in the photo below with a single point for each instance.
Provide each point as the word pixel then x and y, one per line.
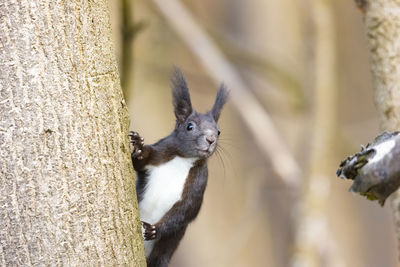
pixel 375 170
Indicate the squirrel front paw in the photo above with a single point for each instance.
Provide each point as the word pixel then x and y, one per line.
pixel 137 144
pixel 149 231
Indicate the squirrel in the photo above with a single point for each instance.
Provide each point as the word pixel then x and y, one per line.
pixel 172 173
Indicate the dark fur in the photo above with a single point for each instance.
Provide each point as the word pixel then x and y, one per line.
pixel 172 226
pixel 181 97
pixel 220 101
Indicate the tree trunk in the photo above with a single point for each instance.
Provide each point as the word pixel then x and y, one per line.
pixel 67 194
pixel 382 22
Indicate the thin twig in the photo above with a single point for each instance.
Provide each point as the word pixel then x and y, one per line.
pixel 218 67
pixel 129 30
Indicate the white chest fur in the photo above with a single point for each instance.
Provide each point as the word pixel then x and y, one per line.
pixel 164 188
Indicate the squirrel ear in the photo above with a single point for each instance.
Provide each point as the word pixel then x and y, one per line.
pixel 181 97
pixel 220 101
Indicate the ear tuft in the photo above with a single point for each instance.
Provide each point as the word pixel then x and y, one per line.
pixel 180 96
pixel 220 100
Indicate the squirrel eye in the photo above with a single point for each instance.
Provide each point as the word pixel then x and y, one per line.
pixel 219 132
pixel 189 126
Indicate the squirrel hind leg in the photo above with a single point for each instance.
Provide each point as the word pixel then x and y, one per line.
pixel 159 262
pixel 164 249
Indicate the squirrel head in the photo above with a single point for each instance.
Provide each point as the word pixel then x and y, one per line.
pixel 196 133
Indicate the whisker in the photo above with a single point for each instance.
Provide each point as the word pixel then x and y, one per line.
pixel 219 156
pixel 228 143
pixel 225 152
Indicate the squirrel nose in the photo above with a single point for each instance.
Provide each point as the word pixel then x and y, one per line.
pixel 210 139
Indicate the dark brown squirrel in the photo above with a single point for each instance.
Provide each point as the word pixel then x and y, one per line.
pixel 172 173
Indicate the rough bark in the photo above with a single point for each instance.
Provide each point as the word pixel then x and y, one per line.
pixel 67 194
pixel 382 23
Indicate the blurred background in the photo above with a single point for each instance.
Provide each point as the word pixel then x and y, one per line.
pixel 273 198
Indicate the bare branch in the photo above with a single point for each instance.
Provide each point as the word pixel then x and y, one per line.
pixel 314 243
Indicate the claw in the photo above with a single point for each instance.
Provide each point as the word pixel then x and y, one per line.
pixel 150 231
pixel 137 144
